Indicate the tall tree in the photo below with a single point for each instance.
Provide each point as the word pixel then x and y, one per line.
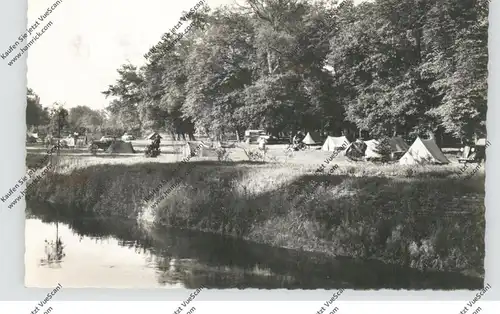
pixel 83 118
pixel 127 94
pixel 36 114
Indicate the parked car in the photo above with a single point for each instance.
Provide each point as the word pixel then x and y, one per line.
pixel 475 153
pixel 107 138
pixel 128 137
pixel 100 144
pixel 253 135
pixel 270 139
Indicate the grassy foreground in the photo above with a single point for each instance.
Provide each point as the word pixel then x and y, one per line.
pixel 423 217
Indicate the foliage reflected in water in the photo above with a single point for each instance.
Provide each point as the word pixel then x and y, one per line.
pixel 192 259
pixel 54 251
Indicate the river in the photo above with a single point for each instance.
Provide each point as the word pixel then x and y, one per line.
pixel 117 253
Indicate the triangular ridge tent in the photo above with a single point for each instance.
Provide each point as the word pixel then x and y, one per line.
pixel 150 136
pixel 356 149
pixel 398 145
pixel 121 147
pixel 423 152
pixel 335 143
pixel 308 140
pixel 199 149
pixel 33 135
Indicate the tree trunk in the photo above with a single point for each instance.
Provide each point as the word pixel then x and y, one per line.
pixel 269 65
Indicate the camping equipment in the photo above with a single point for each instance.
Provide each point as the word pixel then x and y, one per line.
pixel 120 147
pixel 423 152
pixel 335 143
pixel 308 140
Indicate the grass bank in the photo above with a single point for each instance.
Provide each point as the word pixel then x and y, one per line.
pixel 423 217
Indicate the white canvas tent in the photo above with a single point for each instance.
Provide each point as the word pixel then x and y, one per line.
pixel 423 152
pixel 199 149
pixel 308 140
pixel 33 135
pixel 335 143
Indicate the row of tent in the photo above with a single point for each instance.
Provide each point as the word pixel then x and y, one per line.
pixel 421 151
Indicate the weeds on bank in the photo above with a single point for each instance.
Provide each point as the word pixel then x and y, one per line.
pixel 414 216
pixel 425 224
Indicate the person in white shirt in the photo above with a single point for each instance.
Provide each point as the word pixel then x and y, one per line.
pixel 262 143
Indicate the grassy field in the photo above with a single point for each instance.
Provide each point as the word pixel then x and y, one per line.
pixel 423 217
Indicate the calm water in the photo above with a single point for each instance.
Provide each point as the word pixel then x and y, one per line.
pixel 115 252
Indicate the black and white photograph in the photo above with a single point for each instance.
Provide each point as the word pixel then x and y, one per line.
pixel 254 144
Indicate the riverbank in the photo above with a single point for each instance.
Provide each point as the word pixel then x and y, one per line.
pixel 420 217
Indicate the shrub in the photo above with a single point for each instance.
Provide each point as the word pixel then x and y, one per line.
pixel 384 149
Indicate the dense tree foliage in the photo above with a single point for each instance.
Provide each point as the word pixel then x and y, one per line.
pixel 36 114
pixel 83 119
pixel 59 120
pixel 46 120
pixel 387 67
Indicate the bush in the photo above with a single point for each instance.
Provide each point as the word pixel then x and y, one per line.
pixel 384 149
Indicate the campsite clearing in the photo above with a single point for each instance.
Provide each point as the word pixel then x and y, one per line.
pixel 263 202
pixel 175 151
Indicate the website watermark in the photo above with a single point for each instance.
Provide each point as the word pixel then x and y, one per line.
pixel 328 304
pixel 175 184
pixel 172 37
pixel 191 297
pixel 30 175
pixel 41 304
pixel 465 167
pixel 472 303
pixel 34 31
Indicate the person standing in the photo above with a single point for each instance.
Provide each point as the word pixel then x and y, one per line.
pixel 156 142
pixel 262 143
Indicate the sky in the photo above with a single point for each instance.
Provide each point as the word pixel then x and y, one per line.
pixel 76 58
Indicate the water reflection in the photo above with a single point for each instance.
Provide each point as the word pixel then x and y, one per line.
pixel 116 252
pixel 54 251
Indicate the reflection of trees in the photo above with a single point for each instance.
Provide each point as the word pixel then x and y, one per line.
pixel 54 251
pixel 192 259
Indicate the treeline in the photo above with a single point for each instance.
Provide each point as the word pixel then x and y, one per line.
pixel 386 67
pixel 49 120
